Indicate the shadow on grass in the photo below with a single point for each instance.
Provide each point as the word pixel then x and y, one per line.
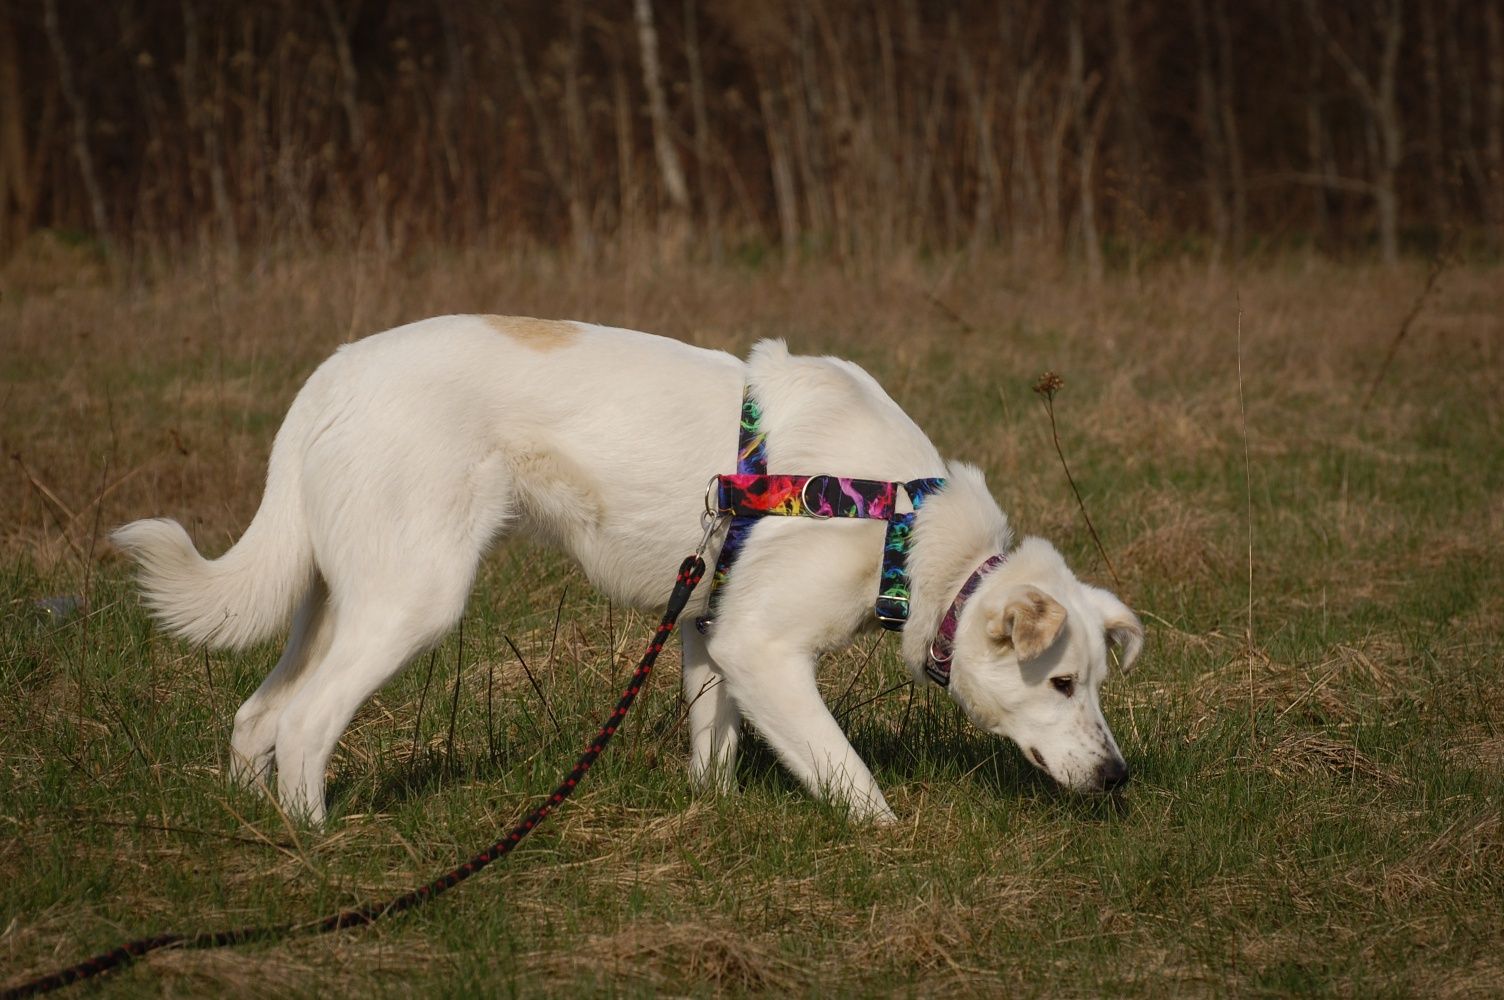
pixel 399 783
pixel 936 749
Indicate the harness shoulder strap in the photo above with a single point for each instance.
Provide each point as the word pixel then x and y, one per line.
pixel 751 460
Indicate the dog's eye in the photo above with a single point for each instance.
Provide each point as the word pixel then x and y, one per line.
pixel 1065 685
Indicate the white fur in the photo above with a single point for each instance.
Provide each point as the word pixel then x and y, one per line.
pixel 408 453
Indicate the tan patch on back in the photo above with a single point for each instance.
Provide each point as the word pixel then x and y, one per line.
pixel 539 334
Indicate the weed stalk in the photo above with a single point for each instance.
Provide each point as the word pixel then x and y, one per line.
pixel 1046 386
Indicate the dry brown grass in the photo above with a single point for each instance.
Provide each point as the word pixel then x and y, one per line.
pixel 178 383
pixel 658 954
pixel 1374 670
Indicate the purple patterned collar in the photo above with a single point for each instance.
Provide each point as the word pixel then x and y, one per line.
pixel 937 664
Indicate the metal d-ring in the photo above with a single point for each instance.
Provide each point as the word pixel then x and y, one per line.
pixel 714 509
pixel 809 510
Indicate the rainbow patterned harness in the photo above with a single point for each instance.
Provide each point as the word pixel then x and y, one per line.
pixel 751 493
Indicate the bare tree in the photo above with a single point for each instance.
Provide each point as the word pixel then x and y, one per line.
pixel 1375 90
pixel 82 151
pixel 670 171
pixel 1086 146
pixel 556 165
pixel 1493 22
pixel 1213 153
pixel 1226 189
pixel 1137 136
pixel 708 201
pixel 1435 162
pixel 349 78
pixel 15 182
pixel 1232 142
pixel 203 115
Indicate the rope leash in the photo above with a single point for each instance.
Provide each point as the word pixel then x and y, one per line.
pixel 690 572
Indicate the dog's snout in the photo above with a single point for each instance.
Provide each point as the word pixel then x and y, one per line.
pixel 1114 775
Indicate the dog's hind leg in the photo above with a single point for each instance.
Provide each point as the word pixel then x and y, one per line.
pixel 378 626
pixel 398 546
pixel 714 722
pixel 255 736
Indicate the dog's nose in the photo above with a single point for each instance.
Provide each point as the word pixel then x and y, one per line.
pixel 1114 775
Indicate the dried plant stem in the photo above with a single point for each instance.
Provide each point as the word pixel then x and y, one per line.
pixel 422 697
pixel 857 675
pixel 1047 385
pixel 454 697
pixel 490 715
pixel 83 641
pixel 1248 504
pixel 533 681
pixel 1437 267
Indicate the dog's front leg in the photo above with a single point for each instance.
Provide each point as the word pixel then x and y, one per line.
pixel 773 682
pixel 714 722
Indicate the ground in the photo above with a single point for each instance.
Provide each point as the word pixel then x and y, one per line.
pixel 1316 726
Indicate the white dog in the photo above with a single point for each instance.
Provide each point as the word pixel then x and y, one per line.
pixel 408 453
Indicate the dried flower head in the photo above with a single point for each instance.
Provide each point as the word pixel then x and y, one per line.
pixel 1048 384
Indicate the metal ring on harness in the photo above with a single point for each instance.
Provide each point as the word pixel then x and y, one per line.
pixel 809 509
pixel 714 508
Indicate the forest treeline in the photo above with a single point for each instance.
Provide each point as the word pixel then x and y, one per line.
pixel 1097 130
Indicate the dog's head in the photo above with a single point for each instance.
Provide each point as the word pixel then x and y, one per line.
pixel 1032 649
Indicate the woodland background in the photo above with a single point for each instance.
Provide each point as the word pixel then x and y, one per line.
pixel 1106 133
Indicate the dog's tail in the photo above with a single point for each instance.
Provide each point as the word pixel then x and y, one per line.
pixel 248 593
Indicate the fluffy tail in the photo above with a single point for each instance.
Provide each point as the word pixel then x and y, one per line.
pixel 246 594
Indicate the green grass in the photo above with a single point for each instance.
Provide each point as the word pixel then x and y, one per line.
pixel 1314 811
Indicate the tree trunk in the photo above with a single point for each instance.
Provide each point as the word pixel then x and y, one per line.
pixel 15 184
pixel 1493 146
pixel 1085 149
pixel 785 194
pixel 1023 179
pixel 670 171
pixel 709 203
pixel 1133 122
pixel 554 163
pixel 581 146
pixel 1214 154
pixel 629 213
pixel 1436 169
pixel 1232 145
pixel 1392 131
pixel 1381 111
pixel 81 149
pixel 203 123
pixel 981 98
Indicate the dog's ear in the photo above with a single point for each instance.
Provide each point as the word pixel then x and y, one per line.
pixel 1125 633
pixel 1030 619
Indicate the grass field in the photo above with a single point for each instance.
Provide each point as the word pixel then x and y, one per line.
pixel 1319 760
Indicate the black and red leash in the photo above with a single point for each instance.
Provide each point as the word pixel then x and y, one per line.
pixel 690 572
